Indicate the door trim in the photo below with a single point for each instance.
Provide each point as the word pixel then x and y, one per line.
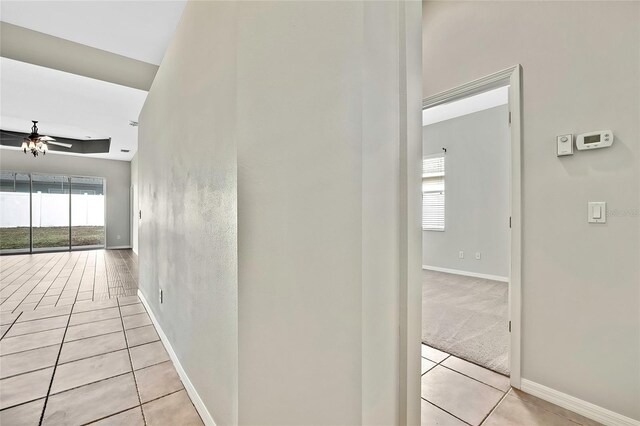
pixel 511 76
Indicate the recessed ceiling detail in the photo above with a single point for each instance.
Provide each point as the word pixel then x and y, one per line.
pixel 62 144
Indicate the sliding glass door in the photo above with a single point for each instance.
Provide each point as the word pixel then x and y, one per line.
pixel 15 213
pixel 50 212
pixel 87 212
pixel 41 212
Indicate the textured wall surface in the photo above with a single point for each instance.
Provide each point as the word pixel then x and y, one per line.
pixel 270 163
pixel 581 281
pixel 188 197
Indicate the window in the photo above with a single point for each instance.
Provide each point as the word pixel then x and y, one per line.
pixel 433 193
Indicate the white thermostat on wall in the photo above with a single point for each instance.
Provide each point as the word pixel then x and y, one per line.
pixel 565 145
pixel 593 140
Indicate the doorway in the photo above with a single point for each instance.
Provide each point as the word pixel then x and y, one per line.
pixel 43 213
pixel 471 224
pixel 465 237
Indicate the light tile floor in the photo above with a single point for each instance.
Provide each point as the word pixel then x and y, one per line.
pixel 88 362
pixel 46 280
pixel 458 393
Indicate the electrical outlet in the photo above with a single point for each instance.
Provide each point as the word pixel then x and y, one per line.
pixel 460 255
pixel 117 237
pixel 161 296
pixel 477 255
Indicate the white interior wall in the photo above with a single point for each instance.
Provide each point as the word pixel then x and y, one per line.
pixel 188 198
pixel 116 173
pixel 477 209
pixel 581 281
pixel 309 95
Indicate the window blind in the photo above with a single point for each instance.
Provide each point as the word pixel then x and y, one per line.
pixel 433 200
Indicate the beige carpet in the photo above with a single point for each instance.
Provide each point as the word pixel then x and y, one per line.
pixel 467 317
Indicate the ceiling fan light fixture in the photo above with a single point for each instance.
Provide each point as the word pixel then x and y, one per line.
pixel 37 143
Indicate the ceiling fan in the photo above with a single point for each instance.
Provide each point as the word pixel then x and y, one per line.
pixel 37 143
pixel 42 143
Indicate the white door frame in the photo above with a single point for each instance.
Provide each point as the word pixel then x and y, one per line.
pixel 513 77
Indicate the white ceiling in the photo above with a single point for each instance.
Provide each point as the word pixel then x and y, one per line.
pixel 137 29
pixel 469 105
pixel 75 106
pixel 69 105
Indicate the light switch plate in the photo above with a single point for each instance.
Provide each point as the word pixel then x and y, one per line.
pixel 565 145
pixel 597 212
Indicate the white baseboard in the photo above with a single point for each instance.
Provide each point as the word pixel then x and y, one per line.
pixel 584 408
pixel 191 390
pixel 467 273
pixel 118 247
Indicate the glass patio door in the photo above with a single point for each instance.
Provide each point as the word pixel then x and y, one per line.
pixel 41 212
pixel 50 216
pixel 15 213
pixel 87 212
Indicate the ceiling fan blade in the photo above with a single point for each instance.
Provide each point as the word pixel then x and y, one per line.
pixel 46 139
pixel 53 142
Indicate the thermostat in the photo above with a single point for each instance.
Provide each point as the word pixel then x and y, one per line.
pixel 593 140
pixel 565 145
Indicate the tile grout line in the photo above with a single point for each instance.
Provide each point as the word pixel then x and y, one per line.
pixel 94 382
pixel 13 292
pixel 75 325
pixel 34 332
pixel 133 372
pixel 53 375
pixel 17 274
pixel 53 261
pixel 35 285
pixel 42 310
pixel 137 406
pixel 45 292
pixel 95 273
pixel 74 272
pixel 65 282
pixel 22 403
pixel 449 413
pixel 10 326
pixel 456 371
pixel 504 394
pixel 84 267
pixel 106 277
pixel 22 270
pixel 9 264
pixel 493 409
pixel 473 378
pixel 82 359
